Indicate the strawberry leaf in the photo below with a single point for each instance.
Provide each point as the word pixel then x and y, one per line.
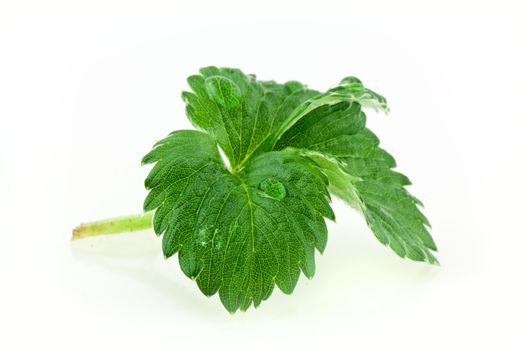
pixel 237 234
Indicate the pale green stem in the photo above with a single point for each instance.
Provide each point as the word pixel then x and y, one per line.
pixel 114 225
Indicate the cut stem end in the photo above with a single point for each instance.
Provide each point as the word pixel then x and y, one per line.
pixel 114 225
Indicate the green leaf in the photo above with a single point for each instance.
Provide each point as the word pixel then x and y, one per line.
pixel 389 209
pixel 239 112
pixel 238 234
pixel 332 132
pixel 350 91
pixel 238 230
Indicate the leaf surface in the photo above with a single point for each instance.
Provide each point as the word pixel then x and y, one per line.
pixel 360 172
pixel 242 228
pixel 237 234
pixel 239 111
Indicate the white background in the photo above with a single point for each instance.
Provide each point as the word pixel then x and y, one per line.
pixel 87 87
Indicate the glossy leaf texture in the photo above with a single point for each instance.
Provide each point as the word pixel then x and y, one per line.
pixel 361 173
pixel 240 112
pixel 237 234
pixel 244 225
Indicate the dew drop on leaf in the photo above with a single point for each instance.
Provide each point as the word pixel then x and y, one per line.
pixel 204 236
pixel 272 188
pixel 353 84
pixel 351 80
pixel 223 91
pixel 294 86
pixel 218 244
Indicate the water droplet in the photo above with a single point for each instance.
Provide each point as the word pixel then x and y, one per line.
pixel 272 188
pixel 218 244
pixel 294 86
pixel 204 236
pixel 353 84
pixel 223 91
pixel 351 80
